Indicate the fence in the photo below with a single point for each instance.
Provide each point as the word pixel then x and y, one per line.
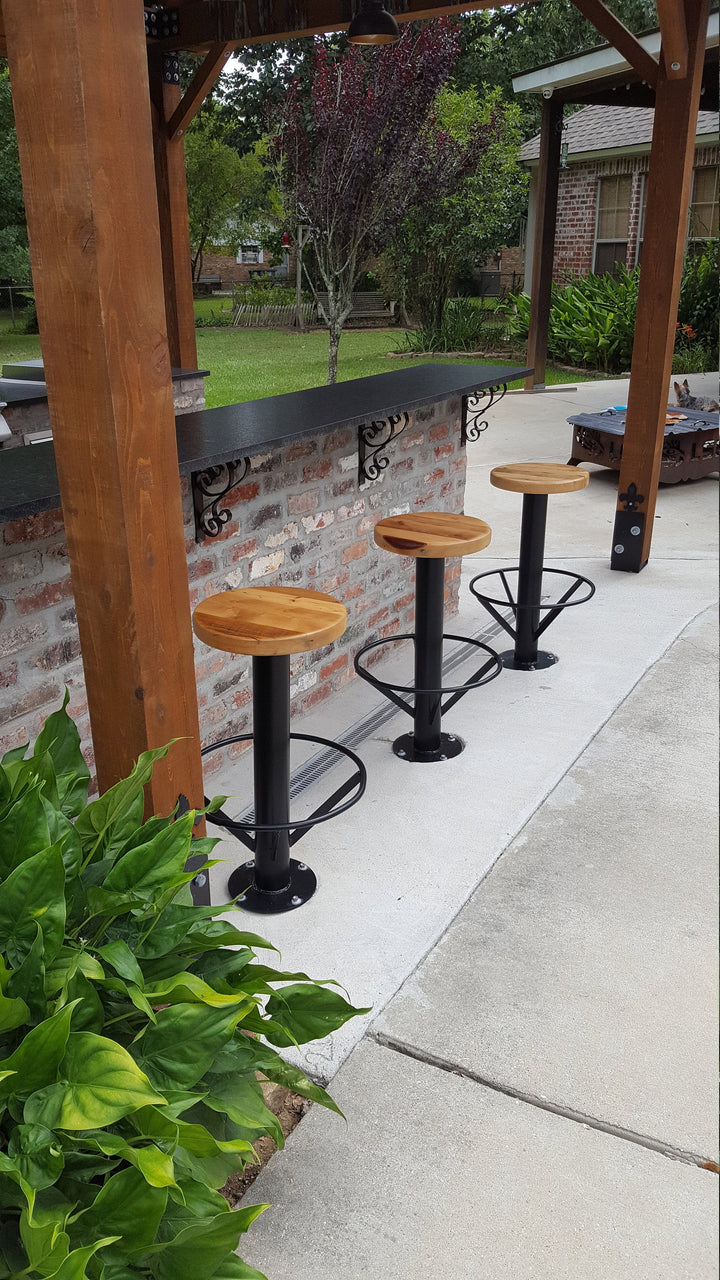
pixel 7 300
pixel 271 316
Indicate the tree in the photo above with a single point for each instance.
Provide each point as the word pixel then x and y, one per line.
pixel 14 253
pixel 355 149
pixel 230 197
pixel 474 216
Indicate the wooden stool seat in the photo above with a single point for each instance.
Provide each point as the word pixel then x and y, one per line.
pixel 539 477
pixel 433 535
pixel 269 621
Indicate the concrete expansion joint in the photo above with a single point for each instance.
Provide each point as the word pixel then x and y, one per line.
pixel 545 1104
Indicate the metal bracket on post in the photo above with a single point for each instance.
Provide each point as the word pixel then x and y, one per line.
pixel 475 407
pixel 628 532
pixel 373 439
pixel 209 487
pixel 161 23
pixel 171 68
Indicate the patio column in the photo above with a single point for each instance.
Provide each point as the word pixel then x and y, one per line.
pixel 173 212
pixel 80 90
pixel 543 251
pixel 668 197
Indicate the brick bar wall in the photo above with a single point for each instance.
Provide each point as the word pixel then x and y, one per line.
pixel 22 419
pixel 298 519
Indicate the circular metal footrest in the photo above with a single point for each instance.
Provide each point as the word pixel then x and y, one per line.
pixel 509 600
pixel 301 824
pixel 388 689
pixel 299 889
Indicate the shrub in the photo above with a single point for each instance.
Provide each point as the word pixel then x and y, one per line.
pixel 264 293
pixel 466 324
pixel 699 292
pixel 128 1089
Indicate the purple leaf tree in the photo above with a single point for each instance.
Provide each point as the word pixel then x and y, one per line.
pixel 356 145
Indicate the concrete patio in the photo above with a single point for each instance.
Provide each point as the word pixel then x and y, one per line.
pixel 534 926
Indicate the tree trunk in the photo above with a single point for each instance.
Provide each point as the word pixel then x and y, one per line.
pixel 335 332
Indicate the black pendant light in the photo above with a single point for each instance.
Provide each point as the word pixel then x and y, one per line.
pixel 373 25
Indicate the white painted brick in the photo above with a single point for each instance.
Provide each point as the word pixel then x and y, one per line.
pixel 264 565
pixel 279 539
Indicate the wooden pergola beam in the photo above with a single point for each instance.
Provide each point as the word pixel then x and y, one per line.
pixel 620 37
pixel 668 197
pixel 202 83
pixel 80 92
pixel 674 36
pixel 546 197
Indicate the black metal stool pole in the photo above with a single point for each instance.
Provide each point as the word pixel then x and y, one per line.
pixel 429 612
pixel 530 572
pixel 271 765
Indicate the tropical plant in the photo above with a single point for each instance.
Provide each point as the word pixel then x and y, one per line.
pixel 592 320
pixel 128 1088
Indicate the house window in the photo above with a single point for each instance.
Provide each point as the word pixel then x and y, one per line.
pixel 613 216
pixel 704 204
pixel 250 254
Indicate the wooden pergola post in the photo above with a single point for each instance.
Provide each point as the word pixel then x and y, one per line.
pixel 544 239
pixel 169 153
pixel 668 198
pixel 80 90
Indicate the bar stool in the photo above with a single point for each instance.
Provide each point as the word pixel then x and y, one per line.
pixel 270 623
pixel 429 537
pixel 535 480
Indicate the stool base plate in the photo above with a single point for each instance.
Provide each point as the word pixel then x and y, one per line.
pixel 301 888
pixel 543 659
pixel 450 745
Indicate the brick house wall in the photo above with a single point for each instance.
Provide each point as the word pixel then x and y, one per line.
pixel 233 272
pixel 299 518
pixel 577 205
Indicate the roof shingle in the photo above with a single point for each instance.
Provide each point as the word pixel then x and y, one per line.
pixel 612 129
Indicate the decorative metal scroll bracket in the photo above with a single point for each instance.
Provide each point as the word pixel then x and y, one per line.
pixel 475 407
pixel 373 440
pixel 209 487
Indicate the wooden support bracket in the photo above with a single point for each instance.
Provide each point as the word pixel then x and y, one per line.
pixel 206 76
pixel 621 39
pixel 673 30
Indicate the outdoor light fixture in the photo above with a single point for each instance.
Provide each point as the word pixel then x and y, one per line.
pixel 373 25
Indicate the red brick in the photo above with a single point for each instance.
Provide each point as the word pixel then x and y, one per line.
pixel 299 504
pixel 243 493
pixel 352 593
pixel 41 695
pixel 30 528
pixel 243 549
pixel 380 616
pixel 241 698
pixel 303 449
pixel 338 440
pixel 200 569
pixel 441 432
pixel 27 564
pixel 444 451
pixel 337 665
pixel 355 551
pixel 390 629
pixel 317 695
pixel 40 597
pixel 318 471
pixel 58 655
pixel 8 675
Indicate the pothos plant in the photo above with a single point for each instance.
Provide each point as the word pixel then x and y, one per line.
pixel 128 1082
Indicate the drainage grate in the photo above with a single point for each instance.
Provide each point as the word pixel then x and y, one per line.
pixel 313 769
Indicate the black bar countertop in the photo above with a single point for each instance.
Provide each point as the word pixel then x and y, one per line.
pixel 17 385
pixel 205 437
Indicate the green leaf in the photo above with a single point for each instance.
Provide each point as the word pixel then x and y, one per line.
pixel 13 1013
pixel 119 955
pixel 60 739
pixel 188 988
pixel 33 893
pixel 193 1138
pixel 107 824
pixel 200 1249
pixel 28 982
pixel 147 867
pixel 233 1268
pixel 181 1047
pixel 74 1266
pixel 99 1084
pixel 242 1100
pixel 46 1241
pixel 36 1060
pixel 23 829
pixel 251 1054
pixel 37 1153
pixel 307 1013
pixel 129 1208
pixel 156 1166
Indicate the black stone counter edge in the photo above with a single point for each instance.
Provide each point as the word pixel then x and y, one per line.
pixel 28 476
pixel 15 398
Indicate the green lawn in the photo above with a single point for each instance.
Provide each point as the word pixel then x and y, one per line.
pixel 247 364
